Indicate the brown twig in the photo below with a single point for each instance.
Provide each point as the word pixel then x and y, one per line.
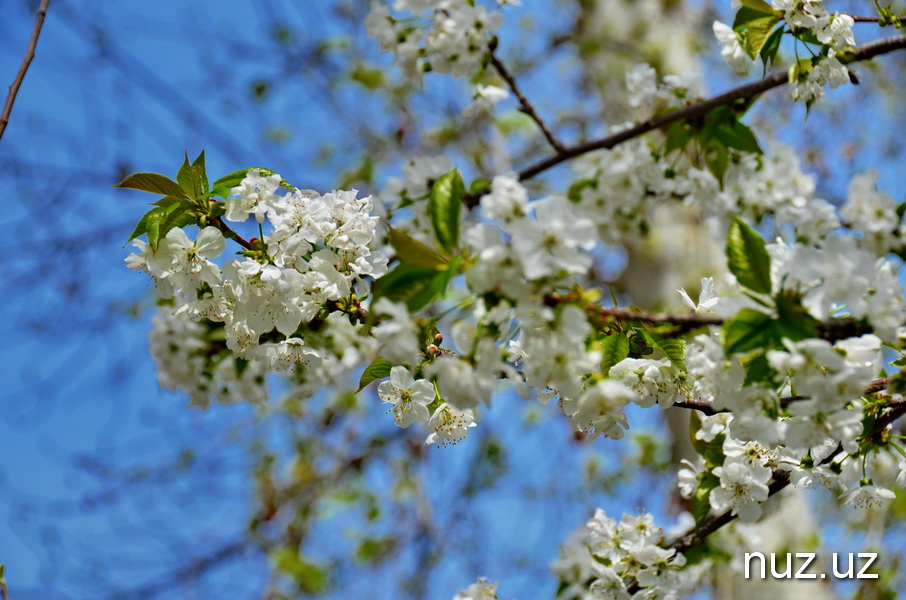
pixel 525 105
pixel 831 330
pixel 874 19
pixel 229 233
pixel 699 109
pixel 23 68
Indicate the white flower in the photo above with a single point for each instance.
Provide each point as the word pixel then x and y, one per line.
pixel 507 199
pixel 707 299
pixel 867 496
pixel 184 260
pixel 449 425
pixel 599 409
pixel 739 491
pixel 409 399
pixel 731 49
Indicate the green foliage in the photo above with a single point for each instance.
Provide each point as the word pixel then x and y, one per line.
pixel 747 258
pixel 672 347
pixel 378 369
pixel 413 252
pixel 414 285
pixel 445 205
pixel 701 501
pixel 153 182
pixel 748 330
pixel 193 178
pixel 614 348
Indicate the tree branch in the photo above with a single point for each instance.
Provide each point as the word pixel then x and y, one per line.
pixel 230 234
pixel 699 109
pixel 830 330
pixel 525 105
pixel 23 68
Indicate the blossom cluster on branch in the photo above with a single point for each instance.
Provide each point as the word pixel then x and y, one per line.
pixel 487 285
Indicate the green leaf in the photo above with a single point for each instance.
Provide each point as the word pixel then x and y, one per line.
pixel 793 320
pixel 717 159
pixel 169 200
pixel 201 174
pixel 155 217
pixel 153 182
pixel 769 51
pixel 701 501
pixel 758 32
pixel 378 369
pixel 235 178
pixel 758 370
pixel 221 192
pixel 479 186
pixel 900 362
pixel 178 217
pixel 674 348
pixel 748 330
pixel 678 135
pixel 614 348
pixel 185 177
pixel 445 206
pixel 411 284
pixel 412 251
pixel 734 134
pixel 746 15
pixel 758 5
pixel 747 257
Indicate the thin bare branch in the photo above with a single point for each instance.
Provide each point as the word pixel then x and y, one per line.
pixel 525 105
pixel 23 68
pixel 699 109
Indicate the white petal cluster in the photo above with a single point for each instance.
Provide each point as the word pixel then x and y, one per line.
pixel 631 550
pixel 444 36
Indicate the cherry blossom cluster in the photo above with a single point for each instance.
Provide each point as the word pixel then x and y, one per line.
pixel 443 36
pixel 810 22
pixel 631 552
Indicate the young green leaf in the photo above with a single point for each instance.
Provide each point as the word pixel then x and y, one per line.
pixel 445 206
pixel 758 5
pixel 769 51
pixel 153 182
pixel 748 330
pixel 747 257
pixel 614 348
pixel 411 284
pixel 701 501
pixel 378 369
pixel 201 174
pixel 673 348
pixel 412 251
pixel 758 32
pixel 185 177
pixel 734 134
